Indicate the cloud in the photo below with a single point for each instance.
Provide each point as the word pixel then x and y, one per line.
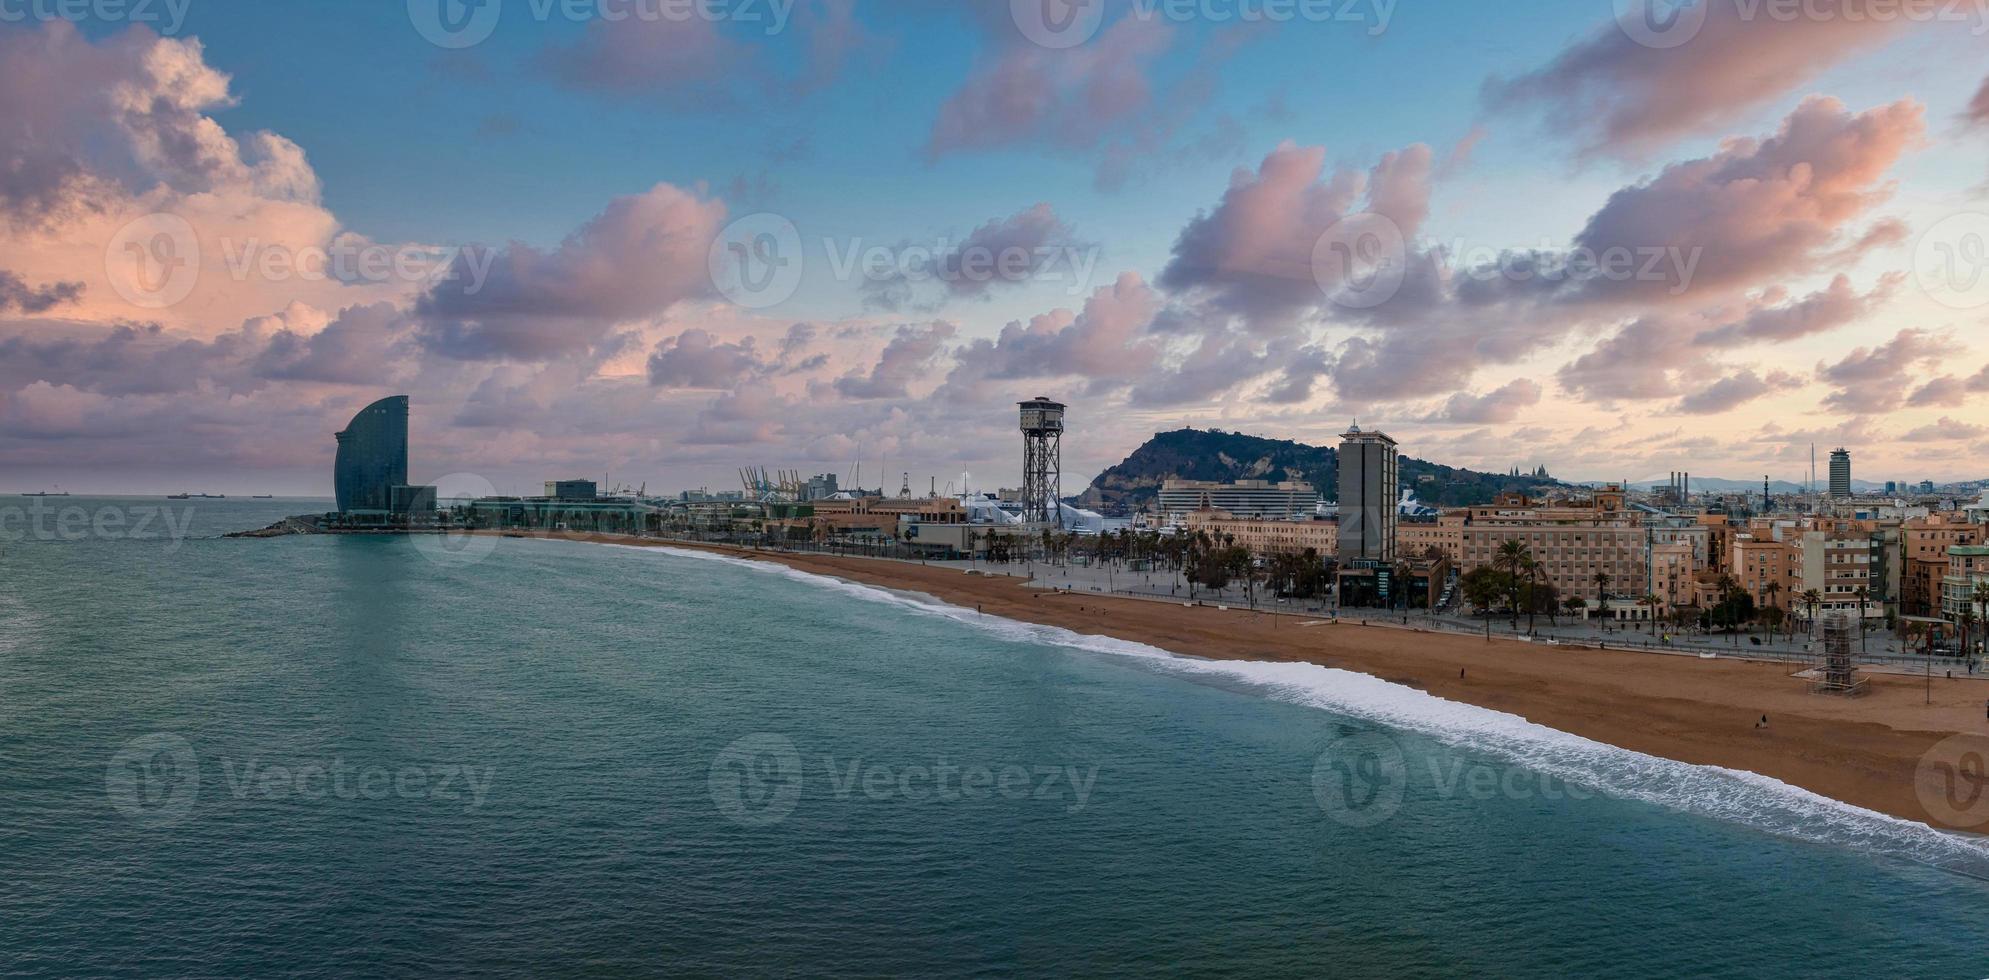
pixel 1253 254
pixel 641 255
pixel 1626 97
pixel 1978 107
pixel 694 359
pixel 1875 379
pixel 911 355
pixel 1757 209
pixel 1946 430
pixel 1069 98
pixel 1827 309
pixel 17 295
pixel 1033 242
pixel 1106 341
pixel 1500 406
pixel 1736 390
pixel 680 61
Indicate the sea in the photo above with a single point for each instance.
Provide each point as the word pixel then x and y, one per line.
pixel 393 756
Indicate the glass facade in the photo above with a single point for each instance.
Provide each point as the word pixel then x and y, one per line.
pixel 372 458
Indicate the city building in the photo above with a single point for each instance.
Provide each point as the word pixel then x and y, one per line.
pixel 1968 570
pixel 1369 489
pixel 1636 550
pixel 572 489
pixel 369 474
pixel 1840 473
pixel 1244 498
pixel 1765 567
pixel 1840 561
pixel 1267 537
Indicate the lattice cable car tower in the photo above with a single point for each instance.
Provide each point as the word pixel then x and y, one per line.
pixel 1042 461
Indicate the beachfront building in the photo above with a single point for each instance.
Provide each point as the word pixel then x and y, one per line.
pixel 1244 498
pixel 1268 537
pixel 924 510
pixel 1574 541
pixel 1841 561
pixel 1369 488
pixel 1968 569
pixel 369 474
pixel 1765 567
pixel 603 515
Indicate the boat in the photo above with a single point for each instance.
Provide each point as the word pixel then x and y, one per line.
pixel 57 492
pixel 263 496
pixel 179 496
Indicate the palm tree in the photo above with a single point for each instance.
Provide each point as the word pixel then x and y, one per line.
pixel 1864 595
pixel 1979 598
pixel 1532 572
pixel 1602 594
pixel 1511 559
pixel 1651 602
pixel 1812 598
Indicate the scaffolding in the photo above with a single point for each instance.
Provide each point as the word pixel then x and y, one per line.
pixel 1834 672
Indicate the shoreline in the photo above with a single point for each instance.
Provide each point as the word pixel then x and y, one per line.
pixel 1867 752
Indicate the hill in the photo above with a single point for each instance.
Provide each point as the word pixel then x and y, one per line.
pixel 1212 454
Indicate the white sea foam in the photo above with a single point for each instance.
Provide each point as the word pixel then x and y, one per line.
pixel 1741 797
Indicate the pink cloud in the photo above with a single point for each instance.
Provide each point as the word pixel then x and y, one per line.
pixel 1630 97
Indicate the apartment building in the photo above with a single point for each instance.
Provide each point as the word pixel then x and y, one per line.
pixel 1266 537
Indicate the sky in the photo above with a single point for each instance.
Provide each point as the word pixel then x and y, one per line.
pixel 660 240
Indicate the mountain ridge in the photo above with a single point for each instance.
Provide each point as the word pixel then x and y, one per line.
pixel 1220 456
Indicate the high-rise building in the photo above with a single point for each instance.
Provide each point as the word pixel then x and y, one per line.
pixel 1840 473
pixel 372 458
pixel 1368 489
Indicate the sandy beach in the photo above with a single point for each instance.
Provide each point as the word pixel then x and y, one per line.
pixel 1866 751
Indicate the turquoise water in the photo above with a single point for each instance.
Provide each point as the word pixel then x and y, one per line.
pixel 344 757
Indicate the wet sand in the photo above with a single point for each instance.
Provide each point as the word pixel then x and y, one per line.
pixel 1865 751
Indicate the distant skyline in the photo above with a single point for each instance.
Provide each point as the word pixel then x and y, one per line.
pixel 607 237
